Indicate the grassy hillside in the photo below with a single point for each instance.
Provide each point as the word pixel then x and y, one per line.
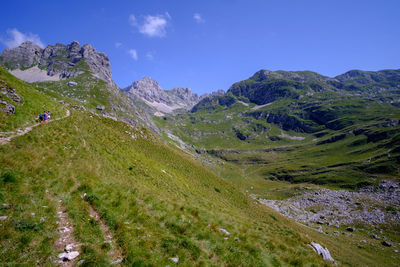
pixel 157 201
pixel 299 132
pixel 28 109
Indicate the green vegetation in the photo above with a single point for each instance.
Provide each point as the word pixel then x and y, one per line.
pixel 160 202
pixel 31 105
pixel 317 134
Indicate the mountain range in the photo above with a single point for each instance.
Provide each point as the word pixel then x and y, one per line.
pixel 259 175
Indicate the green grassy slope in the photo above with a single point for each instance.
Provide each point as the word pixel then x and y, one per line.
pixel 32 104
pixel 157 201
pixel 307 133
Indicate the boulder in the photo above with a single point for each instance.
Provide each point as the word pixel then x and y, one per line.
pixel 174 259
pixel 6 107
pixel 324 252
pixel 386 244
pixel 224 231
pixel 68 256
pixel 100 108
pixel 72 83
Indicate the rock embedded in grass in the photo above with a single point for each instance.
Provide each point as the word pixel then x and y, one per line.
pixel 324 252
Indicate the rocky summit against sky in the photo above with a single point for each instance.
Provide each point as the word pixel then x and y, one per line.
pixel 208 45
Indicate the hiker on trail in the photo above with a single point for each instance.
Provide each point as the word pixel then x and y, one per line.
pixel 48 115
pixel 41 117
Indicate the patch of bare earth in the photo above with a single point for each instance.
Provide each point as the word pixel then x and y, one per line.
pixel 66 241
pixel 115 253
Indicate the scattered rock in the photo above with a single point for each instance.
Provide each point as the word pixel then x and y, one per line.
pixel 72 83
pixel 341 207
pixel 374 236
pixel 363 241
pixel 13 95
pixel 116 261
pixel 350 229
pixel 2 218
pixel 100 107
pixel 63 229
pixel 68 256
pixel 42 219
pixel 69 247
pixel 175 259
pixel 6 107
pixel 224 231
pixel 386 244
pixel 324 252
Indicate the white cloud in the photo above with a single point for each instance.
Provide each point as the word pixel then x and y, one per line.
pixel 152 26
pixel 133 54
pixel 15 38
pixel 132 20
pixel 118 44
pixel 150 55
pixel 198 18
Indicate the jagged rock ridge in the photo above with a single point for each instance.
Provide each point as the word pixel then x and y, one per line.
pixel 162 100
pixel 59 60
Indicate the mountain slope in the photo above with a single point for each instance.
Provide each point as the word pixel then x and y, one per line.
pixel 156 200
pixel 321 129
pixel 158 100
pixel 59 61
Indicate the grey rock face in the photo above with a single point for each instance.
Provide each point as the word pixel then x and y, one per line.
pixel 163 100
pixel 62 60
pixel 23 56
pixel 6 107
pixel 10 92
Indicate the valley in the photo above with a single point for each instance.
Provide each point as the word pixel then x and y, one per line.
pixel 143 176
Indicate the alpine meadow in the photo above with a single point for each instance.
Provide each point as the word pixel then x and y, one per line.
pixel 278 168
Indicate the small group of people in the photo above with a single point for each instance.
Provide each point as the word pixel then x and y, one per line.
pixel 44 116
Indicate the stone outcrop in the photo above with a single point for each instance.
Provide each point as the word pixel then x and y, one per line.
pixel 371 205
pixel 324 252
pixel 149 91
pixel 23 56
pixel 63 61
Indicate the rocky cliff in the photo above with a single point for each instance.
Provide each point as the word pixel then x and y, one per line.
pixel 61 61
pixel 149 91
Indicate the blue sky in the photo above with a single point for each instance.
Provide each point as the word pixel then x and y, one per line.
pixel 207 45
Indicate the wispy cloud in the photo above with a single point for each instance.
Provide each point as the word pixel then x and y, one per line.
pixel 152 26
pixel 15 38
pixel 133 54
pixel 150 55
pixel 198 18
pixel 118 45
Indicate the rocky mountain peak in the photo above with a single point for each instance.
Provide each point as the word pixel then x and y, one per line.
pixel 23 56
pixel 59 60
pixel 150 91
